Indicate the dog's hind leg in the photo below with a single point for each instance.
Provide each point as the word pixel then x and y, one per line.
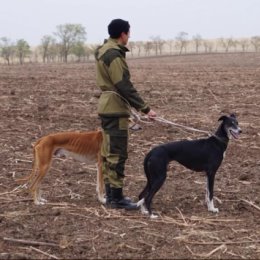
pixel 141 203
pixel 209 192
pixel 156 184
pixel 148 177
pixel 145 191
pixel 141 197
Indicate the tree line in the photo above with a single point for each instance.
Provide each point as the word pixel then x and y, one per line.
pixel 68 43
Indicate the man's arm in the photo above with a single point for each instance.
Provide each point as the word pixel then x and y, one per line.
pixel 120 77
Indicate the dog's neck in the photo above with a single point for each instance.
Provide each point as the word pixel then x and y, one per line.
pixel 221 135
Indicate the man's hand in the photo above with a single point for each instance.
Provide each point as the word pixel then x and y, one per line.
pixel 151 114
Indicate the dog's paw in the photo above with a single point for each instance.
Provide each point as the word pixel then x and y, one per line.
pixel 140 204
pixel 43 201
pixel 144 210
pixel 103 200
pixel 37 202
pixel 212 209
pixel 40 201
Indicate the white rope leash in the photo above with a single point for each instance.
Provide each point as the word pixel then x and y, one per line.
pixel 163 120
pixel 160 119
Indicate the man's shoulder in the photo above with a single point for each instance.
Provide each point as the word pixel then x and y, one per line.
pixel 111 54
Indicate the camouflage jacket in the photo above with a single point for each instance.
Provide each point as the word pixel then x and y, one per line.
pixel 113 78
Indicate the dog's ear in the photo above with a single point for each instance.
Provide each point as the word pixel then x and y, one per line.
pixel 222 118
pixel 233 115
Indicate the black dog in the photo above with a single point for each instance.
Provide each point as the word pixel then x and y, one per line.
pixel 198 155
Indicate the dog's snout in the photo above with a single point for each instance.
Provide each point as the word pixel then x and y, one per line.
pixel 239 130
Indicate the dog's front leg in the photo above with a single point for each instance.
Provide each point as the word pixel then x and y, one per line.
pixel 35 185
pixel 209 192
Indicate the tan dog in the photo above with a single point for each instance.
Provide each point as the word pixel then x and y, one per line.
pixel 83 146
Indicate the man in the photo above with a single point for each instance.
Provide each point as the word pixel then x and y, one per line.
pixel 118 95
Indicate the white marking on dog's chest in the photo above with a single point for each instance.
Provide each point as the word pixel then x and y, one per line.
pixel 76 156
pixel 224 155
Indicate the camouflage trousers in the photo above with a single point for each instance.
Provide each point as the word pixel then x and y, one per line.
pixel 114 149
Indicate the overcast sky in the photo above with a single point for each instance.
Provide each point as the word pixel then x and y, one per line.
pixel 32 19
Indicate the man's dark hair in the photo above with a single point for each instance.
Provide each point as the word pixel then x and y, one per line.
pixel 117 26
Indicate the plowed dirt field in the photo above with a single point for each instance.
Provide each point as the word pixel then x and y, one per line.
pixel 192 90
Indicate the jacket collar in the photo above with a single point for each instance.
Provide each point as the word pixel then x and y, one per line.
pixel 116 45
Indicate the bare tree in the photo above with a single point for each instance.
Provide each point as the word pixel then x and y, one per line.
pixel 148 47
pixel 90 50
pixel 157 44
pixel 53 52
pixel 70 34
pixel 226 43
pixel 7 49
pixel 22 50
pixel 131 46
pixel 255 41
pixel 78 50
pixel 181 41
pixel 234 44
pixel 208 45
pixel 244 43
pixel 198 41
pixel 170 43
pixel 46 42
pixel 34 55
pixel 139 45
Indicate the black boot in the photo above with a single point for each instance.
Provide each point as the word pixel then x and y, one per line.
pixel 109 195
pixel 118 201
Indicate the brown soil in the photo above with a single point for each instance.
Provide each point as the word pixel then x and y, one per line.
pixel 193 90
